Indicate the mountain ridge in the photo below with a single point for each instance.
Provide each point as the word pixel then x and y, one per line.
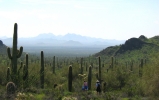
pixel 50 39
pixel 141 44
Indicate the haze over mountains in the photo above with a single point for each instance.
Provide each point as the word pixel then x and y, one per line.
pixel 74 40
pixel 67 45
pixel 76 45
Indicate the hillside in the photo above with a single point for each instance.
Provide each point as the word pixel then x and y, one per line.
pixel 141 46
pixel 155 40
pixel 3 48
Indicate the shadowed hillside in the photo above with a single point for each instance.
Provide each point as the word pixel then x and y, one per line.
pixel 3 48
pixel 142 45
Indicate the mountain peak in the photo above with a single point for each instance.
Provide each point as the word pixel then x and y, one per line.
pixel 131 44
pixel 72 35
pixel 142 37
pixel 46 35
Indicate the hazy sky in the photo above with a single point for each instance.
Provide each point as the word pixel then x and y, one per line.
pixel 108 19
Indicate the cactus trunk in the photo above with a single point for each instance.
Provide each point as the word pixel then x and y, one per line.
pixel 42 70
pixel 70 79
pixel 8 74
pixel 89 77
pixel 112 62
pixel 53 65
pixel 25 73
pixel 81 66
pixel 86 66
pixel 99 70
pixel 141 63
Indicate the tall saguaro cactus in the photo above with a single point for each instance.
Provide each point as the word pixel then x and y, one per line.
pixel 131 66
pixel 26 57
pixel 140 68
pixel 141 63
pixel 99 70
pixel 70 79
pixel 8 74
pixel 86 66
pixel 89 77
pixel 15 54
pixel 27 66
pixel 81 66
pixel 42 70
pixel 25 73
pixel 112 62
pixel 53 65
pixel 145 61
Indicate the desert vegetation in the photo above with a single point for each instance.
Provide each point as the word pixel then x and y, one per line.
pixel 127 72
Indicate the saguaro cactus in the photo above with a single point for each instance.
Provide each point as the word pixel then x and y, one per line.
pixel 42 70
pixel 57 62
pixel 140 68
pixel 145 61
pixel 70 79
pixel 131 66
pixel 112 62
pixel 15 54
pixel 26 58
pixel 53 65
pixel 8 74
pixel 141 63
pixel 81 66
pixel 25 73
pixel 99 70
pixel 92 64
pixel 89 77
pixel 86 66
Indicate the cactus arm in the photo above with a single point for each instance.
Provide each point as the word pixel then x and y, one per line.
pixel 21 65
pixel 9 54
pixel 20 52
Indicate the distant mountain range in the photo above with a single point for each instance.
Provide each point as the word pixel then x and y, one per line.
pixel 49 39
pixel 72 44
